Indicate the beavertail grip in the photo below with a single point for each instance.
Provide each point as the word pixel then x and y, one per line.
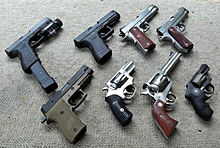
pixel 121 113
pixel 164 122
pixel 184 42
pixel 144 42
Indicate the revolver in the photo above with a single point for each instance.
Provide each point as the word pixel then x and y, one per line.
pixel 93 37
pixel 60 107
pixel 158 88
pixel 120 88
pixel 25 46
pixel 172 29
pixel 136 29
pixel 199 90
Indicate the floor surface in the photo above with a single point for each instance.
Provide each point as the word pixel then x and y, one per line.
pixel 22 96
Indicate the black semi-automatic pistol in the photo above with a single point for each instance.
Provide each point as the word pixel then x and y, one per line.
pixel 24 48
pixel 93 37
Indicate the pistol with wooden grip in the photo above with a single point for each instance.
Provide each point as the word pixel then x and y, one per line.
pixel 199 90
pixel 136 29
pixel 121 88
pixel 60 107
pixel 93 37
pixel 158 88
pixel 172 29
pixel 25 46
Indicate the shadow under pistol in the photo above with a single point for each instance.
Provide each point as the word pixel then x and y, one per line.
pixel 60 107
pixel 93 37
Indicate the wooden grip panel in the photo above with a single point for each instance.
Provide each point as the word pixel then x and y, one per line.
pixel 165 123
pixel 142 39
pixel 184 42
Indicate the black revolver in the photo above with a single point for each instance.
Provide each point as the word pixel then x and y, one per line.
pixel 60 107
pixel 200 89
pixel 24 48
pixel 93 37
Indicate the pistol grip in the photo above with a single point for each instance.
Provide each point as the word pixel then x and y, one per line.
pixel 24 52
pixel 70 125
pixel 31 64
pixel 201 108
pixel 98 47
pixel 121 113
pixel 185 44
pixel 47 83
pixel 164 122
pixel 143 42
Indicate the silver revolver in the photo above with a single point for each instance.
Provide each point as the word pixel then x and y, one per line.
pixel 136 29
pixel 121 88
pixel 158 88
pixel 172 29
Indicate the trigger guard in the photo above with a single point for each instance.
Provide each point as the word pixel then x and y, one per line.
pixel 209 93
pixel 164 37
pixel 105 35
pixel 131 95
pixel 170 102
pixel 80 101
pixel 144 27
pixel 180 27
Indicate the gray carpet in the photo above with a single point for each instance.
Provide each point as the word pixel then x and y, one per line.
pixel 22 96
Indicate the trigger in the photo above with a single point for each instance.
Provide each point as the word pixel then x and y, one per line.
pixel 129 92
pixel 171 99
pixel 181 27
pixel 79 94
pixel 161 38
pixel 145 26
pixel 106 32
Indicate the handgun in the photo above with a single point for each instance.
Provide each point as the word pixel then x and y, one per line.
pixel 136 29
pixel 93 37
pixel 158 88
pixel 199 90
pixel 121 88
pixel 60 107
pixel 172 29
pixel 25 46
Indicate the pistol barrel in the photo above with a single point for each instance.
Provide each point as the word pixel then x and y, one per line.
pixel 174 58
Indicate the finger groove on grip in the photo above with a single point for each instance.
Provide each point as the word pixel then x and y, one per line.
pixel 121 113
pixel 202 109
pixel 184 42
pixel 165 123
pixel 145 43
